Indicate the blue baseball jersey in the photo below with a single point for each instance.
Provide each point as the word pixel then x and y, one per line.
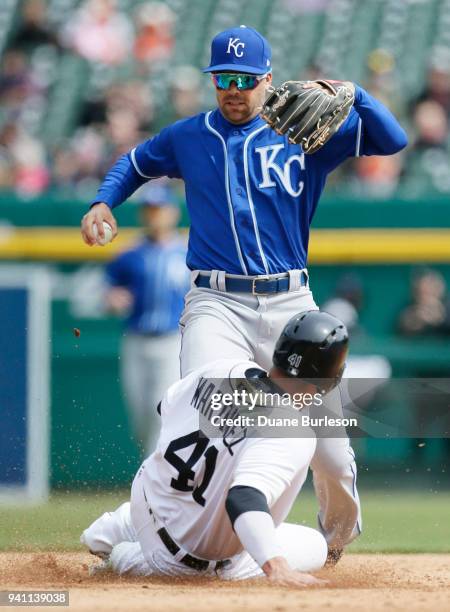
pixel 251 195
pixel 157 277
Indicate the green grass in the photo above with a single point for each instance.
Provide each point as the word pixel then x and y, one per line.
pixel 402 522
pixel 56 525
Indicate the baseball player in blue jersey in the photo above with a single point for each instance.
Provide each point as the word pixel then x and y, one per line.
pixel 251 193
pixel 148 283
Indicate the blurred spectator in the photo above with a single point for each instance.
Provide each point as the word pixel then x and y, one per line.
pixel 100 33
pixel 427 160
pixel 185 90
pixel 431 125
pixel 154 38
pixel 134 96
pixel 428 315
pixel 16 82
pixel 34 29
pixel 429 311
pixel 376 176
pixel 346 305
pixel 382 80
pixel 23 161
pixel 79 163
pixel 437 88
pixel 122 131
pixel 185 94
pixel 147 285
pixel 108 132
pixel 65 170
pixel 347 302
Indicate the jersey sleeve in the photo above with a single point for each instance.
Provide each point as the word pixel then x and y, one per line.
pixel 271 464
pixel 156 157
pixel 381 133
pixel 370 129
pixel 120 182
pixel 151 159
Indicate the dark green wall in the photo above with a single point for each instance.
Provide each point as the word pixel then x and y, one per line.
pixel 331 213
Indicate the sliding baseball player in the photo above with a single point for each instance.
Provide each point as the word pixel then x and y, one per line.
pixel 218 506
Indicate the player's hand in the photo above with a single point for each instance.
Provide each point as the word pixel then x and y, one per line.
pixel 97 214
pixel 279 572
pixel 119 300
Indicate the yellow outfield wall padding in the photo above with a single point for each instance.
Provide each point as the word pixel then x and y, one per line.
pixel 58 244
pixel 380 246
pixel 327 246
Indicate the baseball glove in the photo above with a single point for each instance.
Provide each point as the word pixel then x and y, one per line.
pixel 308 115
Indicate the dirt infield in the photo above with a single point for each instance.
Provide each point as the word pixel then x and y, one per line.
pixel 372 582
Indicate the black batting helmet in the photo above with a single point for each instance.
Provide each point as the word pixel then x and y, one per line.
pixel 312 346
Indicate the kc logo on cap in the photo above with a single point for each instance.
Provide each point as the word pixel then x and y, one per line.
pixel 235 44
pixel 240 49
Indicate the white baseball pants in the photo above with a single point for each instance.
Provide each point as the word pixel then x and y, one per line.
pixel 149 366
pixel 129 536
pixel 214 325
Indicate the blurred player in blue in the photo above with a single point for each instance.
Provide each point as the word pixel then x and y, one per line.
pixel 251 196
pixel 147 284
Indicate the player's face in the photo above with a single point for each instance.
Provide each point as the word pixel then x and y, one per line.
pixel 240 106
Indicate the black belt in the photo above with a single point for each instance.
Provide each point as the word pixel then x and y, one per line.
pixel 197 564
pixel 262 285
pixel 189 560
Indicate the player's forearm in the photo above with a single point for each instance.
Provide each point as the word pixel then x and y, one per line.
pixel 382 134
pixel 257 534
pixel 120 182
pixel 252 522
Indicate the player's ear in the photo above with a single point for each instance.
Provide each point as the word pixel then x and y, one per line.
pixel 269 77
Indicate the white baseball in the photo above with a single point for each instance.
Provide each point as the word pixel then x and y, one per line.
pixel 108 234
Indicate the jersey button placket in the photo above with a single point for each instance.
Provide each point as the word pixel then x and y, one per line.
pixel 241 206
pixel 236 192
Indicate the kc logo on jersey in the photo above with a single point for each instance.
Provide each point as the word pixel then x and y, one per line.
pixel 235 44
pixel 267 156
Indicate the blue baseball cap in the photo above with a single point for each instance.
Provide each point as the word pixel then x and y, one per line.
pixel 157 193
pixel 240 49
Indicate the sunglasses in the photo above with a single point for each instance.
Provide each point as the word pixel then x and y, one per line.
pixel 243 81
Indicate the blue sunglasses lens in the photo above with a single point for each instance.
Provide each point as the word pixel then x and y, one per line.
pixel 242 81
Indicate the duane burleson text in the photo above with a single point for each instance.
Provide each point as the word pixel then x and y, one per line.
pixel 266 421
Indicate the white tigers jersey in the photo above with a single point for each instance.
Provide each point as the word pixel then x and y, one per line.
pixel 187 478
